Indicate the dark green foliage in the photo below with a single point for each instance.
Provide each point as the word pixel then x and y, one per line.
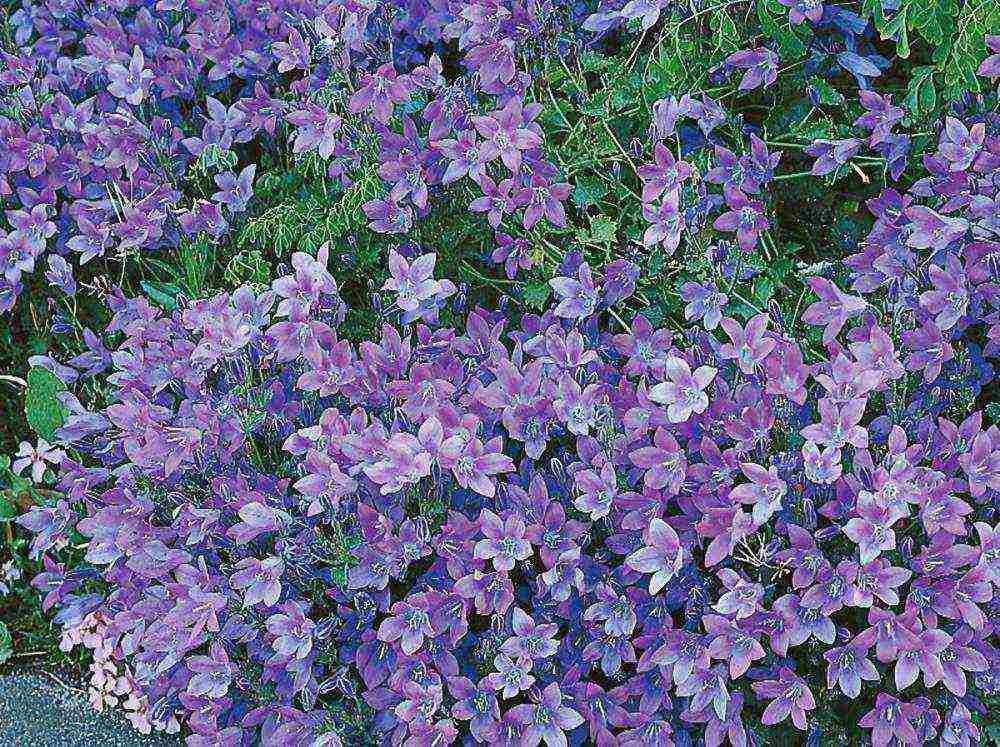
pixel 42 408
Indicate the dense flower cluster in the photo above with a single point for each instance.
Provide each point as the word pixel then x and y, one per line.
pixel 109 110
pixel 583 525
pixel 554 529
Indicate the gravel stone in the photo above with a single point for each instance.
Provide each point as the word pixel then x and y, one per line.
pixel 36 711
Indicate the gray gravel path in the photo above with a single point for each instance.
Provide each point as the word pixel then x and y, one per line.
pixel 35 711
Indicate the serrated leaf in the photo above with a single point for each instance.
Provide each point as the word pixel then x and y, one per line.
pixel 44 412
pixel 592 62
pixel 588 192
pixel 603 229
pixel 536 295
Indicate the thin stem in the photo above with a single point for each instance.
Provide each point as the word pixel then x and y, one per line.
pixel 14 380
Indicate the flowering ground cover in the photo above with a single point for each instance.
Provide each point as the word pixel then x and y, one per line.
pixel 501 372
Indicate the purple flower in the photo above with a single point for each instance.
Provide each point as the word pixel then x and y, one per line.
pixel 647 348
pixel 930 350
pixel 990 67
pixel 834 588
pixel 531 640
pixel 684 391
pixel 409 622
pixel 960 145
pixel 60 274
pixel 839 426
pixel 493 60
pixel 578 296
pixel 931 230
pixel 413 282
pixel 36 457
pixel 293 54
pixel 130 83
pixel 731 642
pixel 497 201
pixel 505 544
pixel 949 299
pixel 704 302
pixel 664 462
pixel 387 216
pixel 512 675
pixel 959 657
pixel 890 721
pixel 832 154
pixel 665 174
pixel 749 347
pixel 646 11
pixel 803 623
pixel 465 157
pixel 872 530
pixel 508 133
pixel 598 491
pixel 919 653
pixel 849 665
pixel 741 598
pixel 543 198
pixel 666 223
pixel 789 695
pixel 833 309
pixel 259 579
pixel 380 92
pixel 989 550
pixel 761 67
pixel 877 579
pixel 212 674
pixel 475 464
pixel 51 526
pixel 614 609
pixel 235 191
pixel 516 254
pixel 475 704
pixel 316 129
pixel 662 555
pixel 798 11
pixel 765 491
pixel 745 217
pixel 292 631
pixel 547 719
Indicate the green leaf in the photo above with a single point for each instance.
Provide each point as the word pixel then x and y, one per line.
pixel 828 95
pixel 921 96
pixel 603 230
pixel 163 295
pixel 763 290
pixel 536 295
pixel 774 22
pixel 896 29
pixel 7 509
pixel 248 266
pixel 42 408
pixel 6 643
pixel 588 192
pixel 724 34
